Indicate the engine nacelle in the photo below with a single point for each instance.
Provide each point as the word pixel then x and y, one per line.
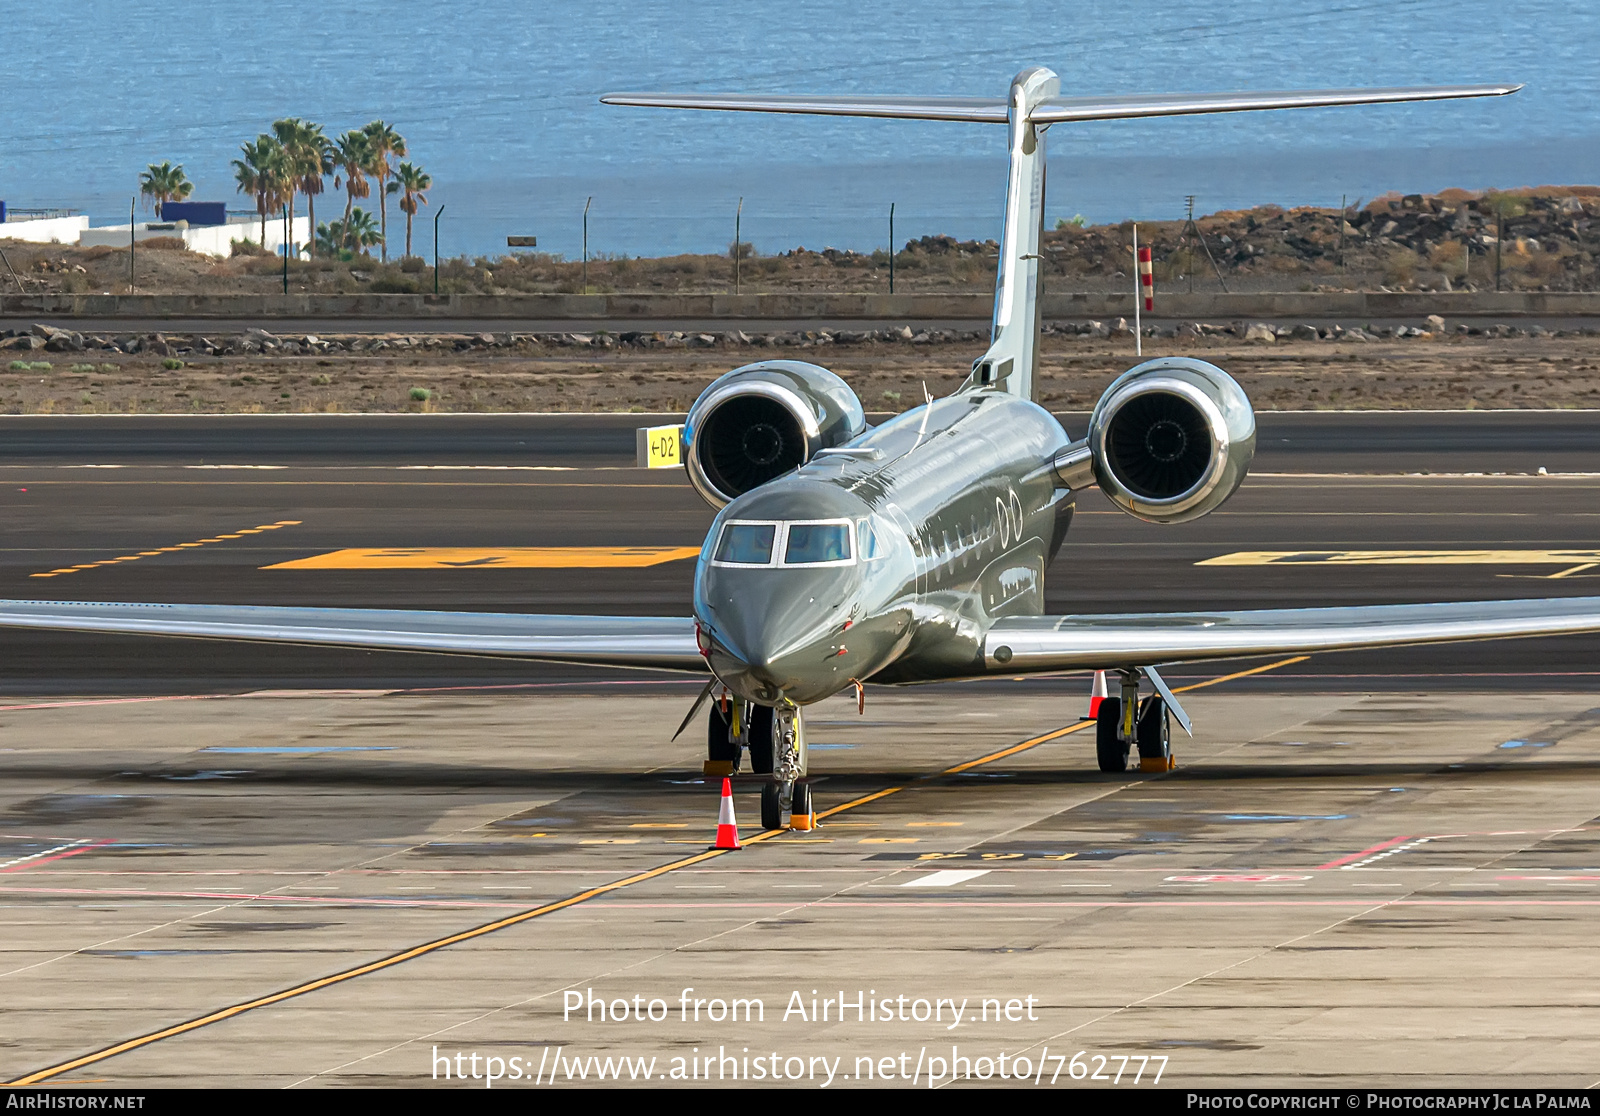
pixel 1171 439
pixel 760 421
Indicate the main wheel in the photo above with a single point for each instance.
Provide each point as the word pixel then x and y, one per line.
pixel 1111 752
pixel 1155 730
pixel 763 749
pixel 771 806
pixel 720 744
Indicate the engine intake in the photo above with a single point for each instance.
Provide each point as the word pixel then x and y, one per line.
pixel 758 422
pixel 1172 439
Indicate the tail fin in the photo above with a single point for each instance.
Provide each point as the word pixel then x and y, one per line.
pixel 1032 106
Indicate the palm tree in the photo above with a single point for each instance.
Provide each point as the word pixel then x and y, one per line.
pixel 352 160
pixel 385 141
pixel 361 231
pixel 410 182
pixel 261 173
pixel 164 183
pixel 308 156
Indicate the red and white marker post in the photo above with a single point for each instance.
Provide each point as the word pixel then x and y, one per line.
pixel 1144 294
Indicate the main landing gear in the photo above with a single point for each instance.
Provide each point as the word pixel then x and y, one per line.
pixel 1124 721
pixel 776 743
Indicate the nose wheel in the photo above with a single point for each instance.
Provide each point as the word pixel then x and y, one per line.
pixel 786 800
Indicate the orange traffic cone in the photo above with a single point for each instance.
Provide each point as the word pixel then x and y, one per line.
pixel 1097 695
pixel 727 828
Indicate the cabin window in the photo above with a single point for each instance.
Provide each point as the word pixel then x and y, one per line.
pixel 747 544
pixel 815 544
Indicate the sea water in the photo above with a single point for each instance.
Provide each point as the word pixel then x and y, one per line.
pixel 498 100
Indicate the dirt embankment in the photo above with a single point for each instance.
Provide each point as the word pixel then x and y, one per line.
pixel 655 372
pixel 1539 239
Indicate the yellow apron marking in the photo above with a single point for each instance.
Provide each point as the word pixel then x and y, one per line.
pixel 165 549
pixel 1406 558
pixel 536 912
pixel 500 558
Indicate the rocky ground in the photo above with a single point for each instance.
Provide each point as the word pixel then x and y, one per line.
pixel 1540 239
pixel 46 370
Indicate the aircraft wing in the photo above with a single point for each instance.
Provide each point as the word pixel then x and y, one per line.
pixel 662 642
pixel 1139 639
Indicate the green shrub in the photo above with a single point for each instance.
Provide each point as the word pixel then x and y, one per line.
pixel 172 364
pixel 421 395
pixel 31 366
pixel 83 368
pixel 18 366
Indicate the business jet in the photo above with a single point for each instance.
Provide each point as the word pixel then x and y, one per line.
pixel 845 554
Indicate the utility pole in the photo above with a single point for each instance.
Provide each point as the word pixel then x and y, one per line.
pixel 1499 239
pixel 437 213
pixel 891 247
pixel 1188 219
pixel 738 248
pixel 1189 224
pixel 286 246
pixel 1344 206
pixel 586 243
pixel 131 203
pixel 1138 299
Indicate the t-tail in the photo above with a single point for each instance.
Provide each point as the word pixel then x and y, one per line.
pixel 1034 103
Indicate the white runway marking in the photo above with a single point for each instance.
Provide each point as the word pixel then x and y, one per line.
pixel 947 877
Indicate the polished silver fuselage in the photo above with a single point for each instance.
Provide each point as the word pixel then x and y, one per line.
pixel 965 515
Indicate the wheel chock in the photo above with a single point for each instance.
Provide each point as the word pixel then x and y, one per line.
pixel 716 769
pixel 1155 765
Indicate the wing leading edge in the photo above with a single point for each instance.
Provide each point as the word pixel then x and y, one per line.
pixel 661 642
pixel 1041 643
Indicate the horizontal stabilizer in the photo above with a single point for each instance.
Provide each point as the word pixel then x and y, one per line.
pixel 1188 104
pixel 992 110
pixel 984 110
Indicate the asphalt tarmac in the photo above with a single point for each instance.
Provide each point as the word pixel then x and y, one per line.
pixel 228 865
pixel 80 490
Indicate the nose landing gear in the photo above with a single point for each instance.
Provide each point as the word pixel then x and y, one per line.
pixel 786 797
pixel 776 742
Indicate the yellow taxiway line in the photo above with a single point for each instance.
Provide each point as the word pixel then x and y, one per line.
pixel 433 946
pixel 492 557
pixel 1404 558
pixel 239 534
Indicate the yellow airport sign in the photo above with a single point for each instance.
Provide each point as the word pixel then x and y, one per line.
pixel 659 447
pixel 1403 558
pixel 494 558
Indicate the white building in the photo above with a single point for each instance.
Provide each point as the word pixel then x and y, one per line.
pixel 209 240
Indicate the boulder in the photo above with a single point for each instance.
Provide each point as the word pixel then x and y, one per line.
pixel 1122 328
pixel 1435 323
pixel 1261 332
pixel 1304 333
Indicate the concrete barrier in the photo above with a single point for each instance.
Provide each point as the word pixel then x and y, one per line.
pixel 623 308
pixel 44 230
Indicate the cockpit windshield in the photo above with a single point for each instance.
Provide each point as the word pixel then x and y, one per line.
pixel 812 543
pixel 828 542
pixel 747 544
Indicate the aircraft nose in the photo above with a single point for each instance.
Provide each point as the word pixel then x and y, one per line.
pixel 770 634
